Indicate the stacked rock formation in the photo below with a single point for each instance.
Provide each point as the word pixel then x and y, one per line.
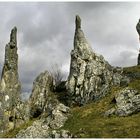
pixel 90 75
pixel 10 87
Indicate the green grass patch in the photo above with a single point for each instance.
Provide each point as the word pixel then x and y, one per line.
pixel 135 85
pixel 133 69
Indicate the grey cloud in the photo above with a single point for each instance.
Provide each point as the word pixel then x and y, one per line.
pixel 46 31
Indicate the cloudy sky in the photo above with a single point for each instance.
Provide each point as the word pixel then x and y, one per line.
pixel 46 31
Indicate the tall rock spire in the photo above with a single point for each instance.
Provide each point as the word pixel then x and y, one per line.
pixel 78 22
pixel 13 36
pixel 10 85
pixel 90 75
pixel 11 56
pixel 138 30
pixel 80 42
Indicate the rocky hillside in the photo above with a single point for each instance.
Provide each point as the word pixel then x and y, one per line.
pixel 97 100
pixel 121 121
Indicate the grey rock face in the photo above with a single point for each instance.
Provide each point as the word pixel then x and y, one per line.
pixel 40 93
pixel 46 127
pixel 10 87
pixel 127 103
pixel 90 75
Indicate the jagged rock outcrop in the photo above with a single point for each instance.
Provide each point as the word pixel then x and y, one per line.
pixel 40 94
pixel 47 127
pixel 10 87
pixel 127 102
pixel 90 75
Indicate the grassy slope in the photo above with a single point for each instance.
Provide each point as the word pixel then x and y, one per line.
pixel 88 121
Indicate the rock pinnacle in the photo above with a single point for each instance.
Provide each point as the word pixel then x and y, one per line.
pixel 78 22
pixel 10 85
pixel 13 37
pixel 90 75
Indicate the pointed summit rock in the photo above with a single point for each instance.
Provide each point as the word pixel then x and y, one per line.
pixel 10 85
pixel 10 77
pixel 78 22
pixel 90 75
pixel 13 37
pixel 80 42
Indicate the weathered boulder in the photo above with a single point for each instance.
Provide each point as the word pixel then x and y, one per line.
pixel 90 75
pixel 10 87
pixel 40 93
pixel 127 103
